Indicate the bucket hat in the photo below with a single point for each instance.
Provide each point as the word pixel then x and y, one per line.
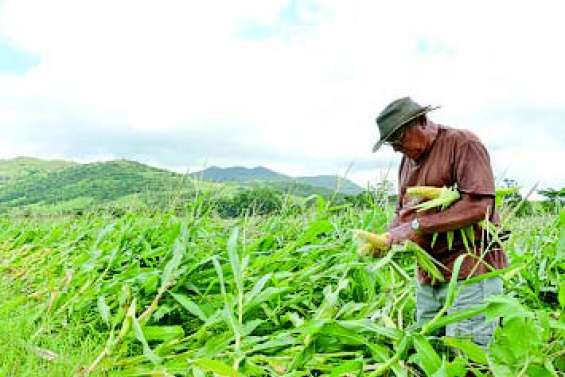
pixel 397 114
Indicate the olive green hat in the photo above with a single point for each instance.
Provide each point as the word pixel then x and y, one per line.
pixel 397 114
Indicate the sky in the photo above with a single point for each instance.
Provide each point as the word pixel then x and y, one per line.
pixel 293 85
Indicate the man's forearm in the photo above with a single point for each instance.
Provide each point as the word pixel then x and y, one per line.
pixel 468 210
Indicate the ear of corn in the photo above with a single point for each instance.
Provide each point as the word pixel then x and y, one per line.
pixel 379 241
pixel 443 199
pixel 369 243
pixel 424 192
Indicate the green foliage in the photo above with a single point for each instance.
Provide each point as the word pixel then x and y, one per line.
pixel 279 294
pixel 17 168
pixel 254 200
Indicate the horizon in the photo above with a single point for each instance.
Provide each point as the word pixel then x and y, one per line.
pixel 535 196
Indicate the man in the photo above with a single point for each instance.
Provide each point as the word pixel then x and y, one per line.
pixel 436 155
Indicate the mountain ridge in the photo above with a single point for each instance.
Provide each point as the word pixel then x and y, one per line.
pixel 239 174
pixel 33 182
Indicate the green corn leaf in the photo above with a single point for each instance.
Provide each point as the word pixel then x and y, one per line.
pixel 216 367
pixel 450 236
pixel 258 287
pixel 452 290
pixel 163 333
pixel 234 259
pixel 149 354
pixel 457 316
pixel 171 268
pixel 470 231
pixel 464 238
pixel 190 305
pixel 347 368
pixel 104 310
pixel 427 357
pixel 562 293
pixel 471 350
pixel 434 239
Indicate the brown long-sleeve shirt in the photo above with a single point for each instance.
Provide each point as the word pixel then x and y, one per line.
pixel 455 157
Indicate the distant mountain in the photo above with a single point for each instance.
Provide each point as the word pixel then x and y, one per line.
pixel 19 167
pixel 332 182
pixel 238 174
pixel 34 183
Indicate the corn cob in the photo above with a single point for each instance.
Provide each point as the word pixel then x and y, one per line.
pixel 444 197
pixel 369 243
pixel 424 192
pixel 379 241
pixel 365 249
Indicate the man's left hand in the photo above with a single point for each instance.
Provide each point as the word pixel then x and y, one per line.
pixel 404 232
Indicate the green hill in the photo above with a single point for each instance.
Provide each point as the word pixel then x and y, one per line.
pixel 242 175
pixel 99 182
pixel 331 182
pixel 46 186
pixel 20 167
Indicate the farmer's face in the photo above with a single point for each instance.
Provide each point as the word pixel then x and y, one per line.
pixel 412 142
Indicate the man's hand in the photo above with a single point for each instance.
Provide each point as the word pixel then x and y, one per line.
pixel 404 232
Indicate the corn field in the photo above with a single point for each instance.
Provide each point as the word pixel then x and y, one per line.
pixel 164 294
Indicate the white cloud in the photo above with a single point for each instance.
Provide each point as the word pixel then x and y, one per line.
pixel 302 100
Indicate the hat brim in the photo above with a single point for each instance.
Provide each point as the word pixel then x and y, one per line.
pixel 425 110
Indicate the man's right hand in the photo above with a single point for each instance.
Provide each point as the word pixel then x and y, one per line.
pixel 404 232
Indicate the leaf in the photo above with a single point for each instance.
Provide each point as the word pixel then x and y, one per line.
pixel 104 310
pixel 315 229
pixel 171 268
pixel 163 333
pixel 149 354
pixel 257 288
pixel 217 367
pixel 347 368
pixel 457 316
pixel 369 326
pixel 470 231
pixel 471 350
pixel 452 290
pixel 434 239
pixel 190 305
pixel 450 235
pixel 464 238
pixel 562 293
pixel 503 306
pixel 427 357
pixel 234 259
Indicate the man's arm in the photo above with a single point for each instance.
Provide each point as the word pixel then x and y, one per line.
pixel 468 210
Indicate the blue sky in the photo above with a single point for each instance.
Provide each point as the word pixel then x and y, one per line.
pixel 15 60
pixel 293 85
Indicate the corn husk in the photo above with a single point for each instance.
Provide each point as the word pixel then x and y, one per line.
pixel 370 243
pixel 379 241
pixel 445 198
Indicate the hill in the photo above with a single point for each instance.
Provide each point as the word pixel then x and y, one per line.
pixel 99 182
pixel 242 175
pixel 13 169
pixel 61 186
pixel 239 174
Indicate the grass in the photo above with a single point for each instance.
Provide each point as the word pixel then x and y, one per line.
pixel 23 355
pixel 195 295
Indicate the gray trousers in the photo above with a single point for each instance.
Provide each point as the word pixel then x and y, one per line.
pixel 430 299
